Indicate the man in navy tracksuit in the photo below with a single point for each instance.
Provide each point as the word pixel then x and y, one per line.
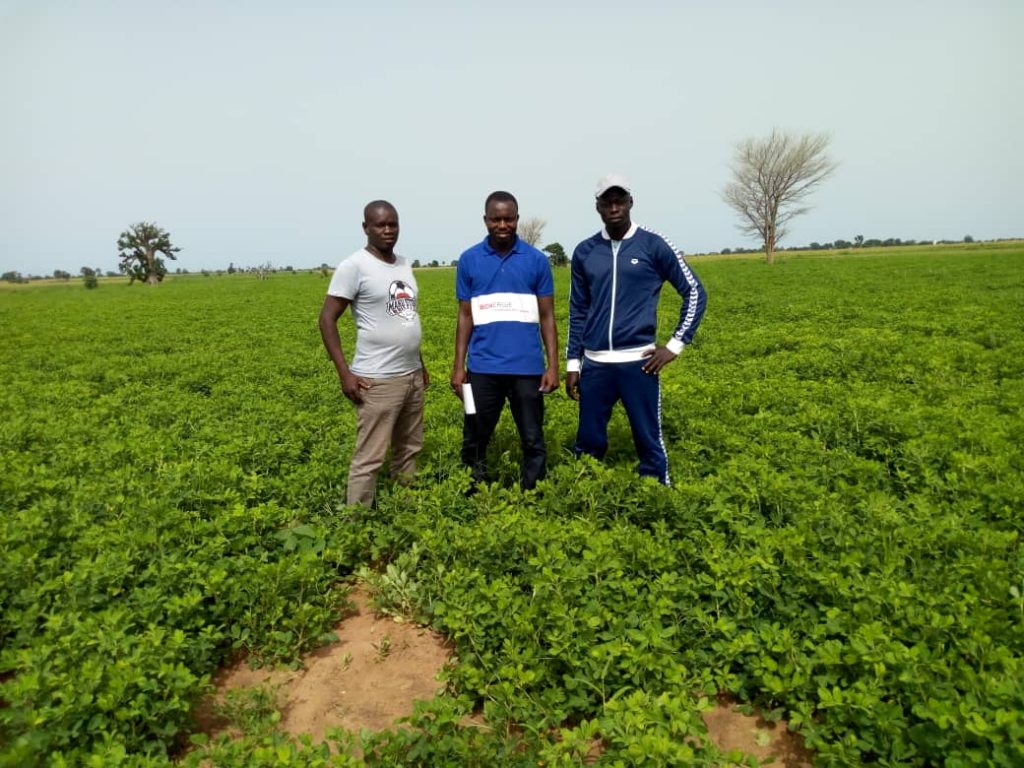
pixel 612 353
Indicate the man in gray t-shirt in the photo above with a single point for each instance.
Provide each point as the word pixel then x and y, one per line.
pixel 387 378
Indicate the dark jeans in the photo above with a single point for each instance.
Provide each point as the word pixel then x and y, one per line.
pixel 490 390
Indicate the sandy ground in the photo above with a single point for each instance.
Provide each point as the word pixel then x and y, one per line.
pixel 366 680
pixel 771 743
pixel 380 667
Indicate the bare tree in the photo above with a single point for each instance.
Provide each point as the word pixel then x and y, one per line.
pixel 531 229
pixel 771 179
pixel 262 271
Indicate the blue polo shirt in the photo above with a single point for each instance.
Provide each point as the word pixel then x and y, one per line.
pixel 503 293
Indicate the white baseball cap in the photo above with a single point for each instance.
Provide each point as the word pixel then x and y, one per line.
pixel 610 181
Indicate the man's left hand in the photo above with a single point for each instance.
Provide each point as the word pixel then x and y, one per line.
pixel 658 359
pixel 426 378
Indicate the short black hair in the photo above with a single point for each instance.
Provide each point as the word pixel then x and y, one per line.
pixel 377 204
pixel 500 197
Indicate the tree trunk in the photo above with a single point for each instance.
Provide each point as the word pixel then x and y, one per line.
pixel 152 278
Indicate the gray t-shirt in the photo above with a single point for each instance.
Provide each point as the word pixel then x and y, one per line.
pixel 383 300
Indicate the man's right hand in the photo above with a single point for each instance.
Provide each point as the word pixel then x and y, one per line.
pixel 352 387
pixel 572 385
pixel 459 377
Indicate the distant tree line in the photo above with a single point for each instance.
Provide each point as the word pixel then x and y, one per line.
pixel 89 274
pixel 416 264
pixel 858 242
pixel 555 251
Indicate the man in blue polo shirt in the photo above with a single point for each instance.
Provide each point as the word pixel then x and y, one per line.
pixel 506 306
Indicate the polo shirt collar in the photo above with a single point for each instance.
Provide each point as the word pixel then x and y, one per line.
pixel 492 252
pixel 632 231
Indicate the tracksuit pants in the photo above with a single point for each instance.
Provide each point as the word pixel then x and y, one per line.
pixel 490 390
pixel 604 384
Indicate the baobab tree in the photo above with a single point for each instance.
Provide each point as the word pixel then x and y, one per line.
pixel 138 246
pixel 771 180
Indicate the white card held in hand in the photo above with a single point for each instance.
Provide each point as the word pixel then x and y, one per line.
pixel 467 399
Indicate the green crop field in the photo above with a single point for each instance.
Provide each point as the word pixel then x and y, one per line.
pixel 841 545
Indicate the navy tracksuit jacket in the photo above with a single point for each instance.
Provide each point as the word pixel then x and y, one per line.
pixel 613 319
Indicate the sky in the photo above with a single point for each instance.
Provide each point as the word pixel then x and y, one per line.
pixel 255 132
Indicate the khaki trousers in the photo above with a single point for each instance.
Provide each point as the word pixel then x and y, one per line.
pixel 391 414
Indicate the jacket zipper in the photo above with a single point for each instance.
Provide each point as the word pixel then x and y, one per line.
pixel 616 244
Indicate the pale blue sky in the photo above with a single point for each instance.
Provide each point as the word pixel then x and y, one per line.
pixel 256 131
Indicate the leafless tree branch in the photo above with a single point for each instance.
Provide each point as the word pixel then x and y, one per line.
pixel 531 229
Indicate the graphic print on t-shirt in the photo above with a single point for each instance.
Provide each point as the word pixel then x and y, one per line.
pixel 401 300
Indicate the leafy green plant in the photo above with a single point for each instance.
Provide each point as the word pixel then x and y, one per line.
pixel 395 592
pixel 841 545
pixel 251 710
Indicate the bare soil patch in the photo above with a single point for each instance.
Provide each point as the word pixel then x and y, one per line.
pixel 380 667
pixel 368 679
pixel 773 744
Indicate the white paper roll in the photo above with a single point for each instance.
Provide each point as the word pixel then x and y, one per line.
pixel 467 399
